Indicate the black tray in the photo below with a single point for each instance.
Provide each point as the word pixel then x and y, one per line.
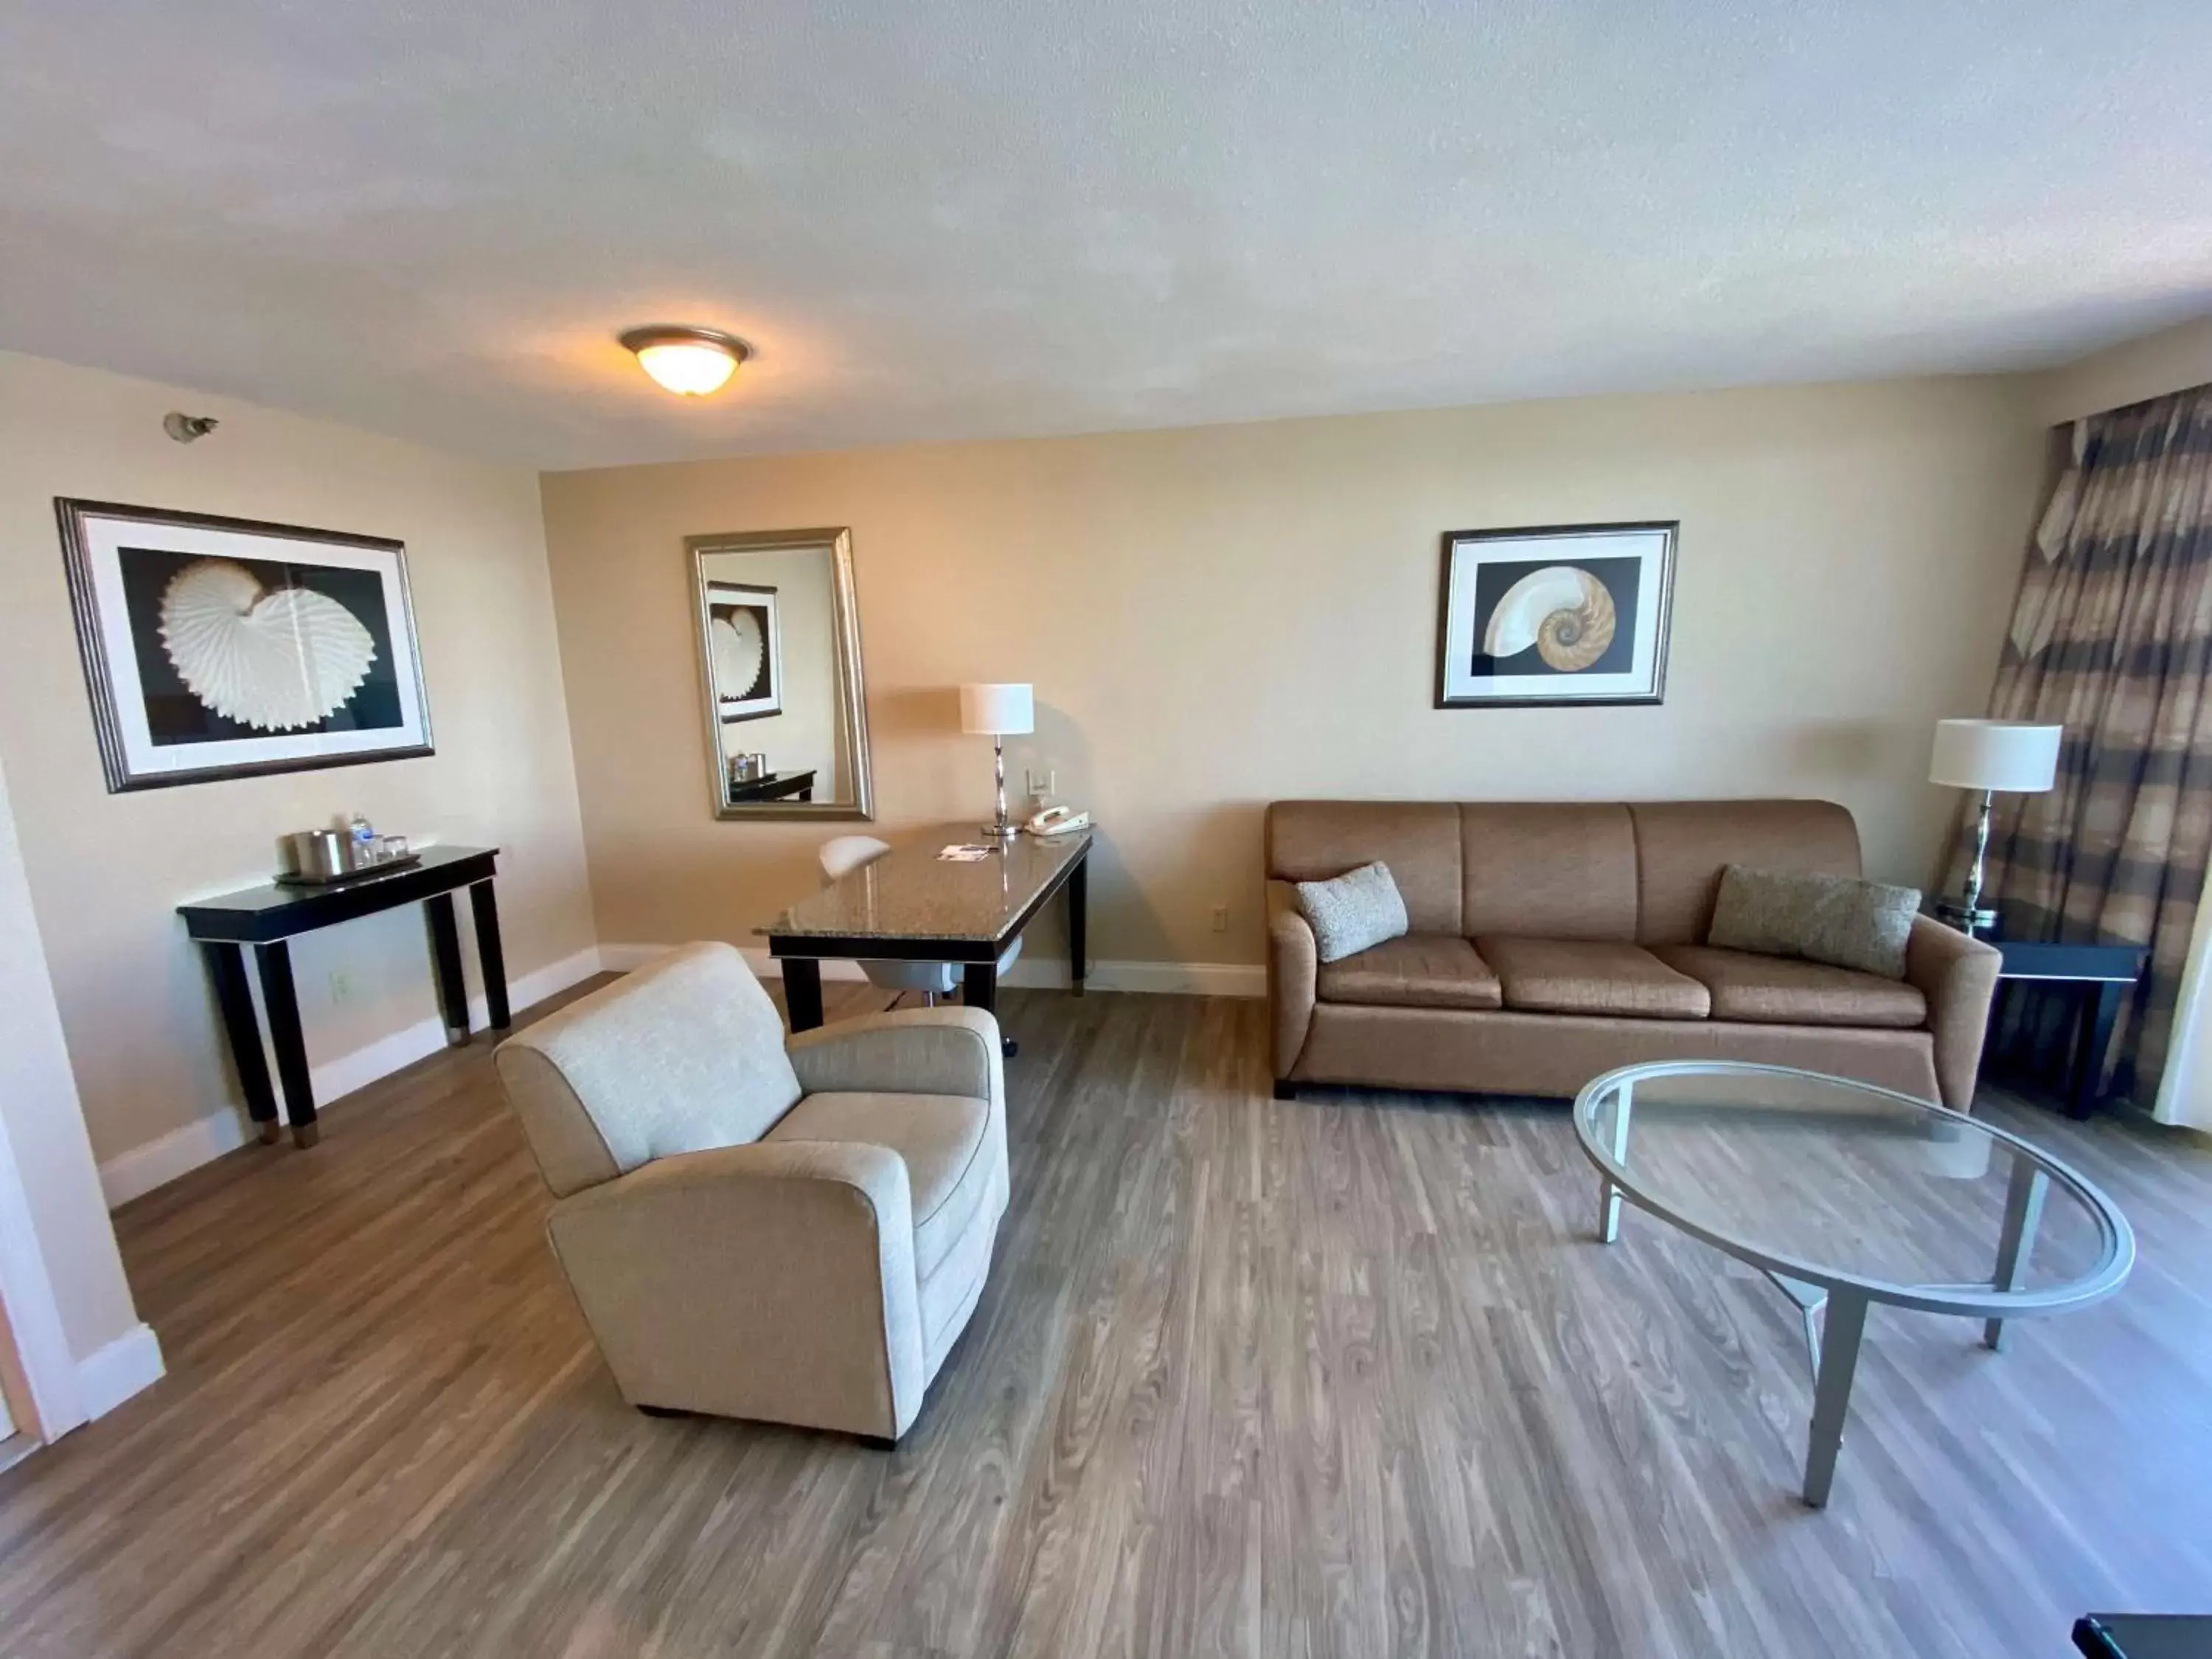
pixel 407 862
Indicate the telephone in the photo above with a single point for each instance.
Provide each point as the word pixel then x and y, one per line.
pixel 1057 821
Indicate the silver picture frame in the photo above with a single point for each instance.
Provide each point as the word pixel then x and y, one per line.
pixel 173 701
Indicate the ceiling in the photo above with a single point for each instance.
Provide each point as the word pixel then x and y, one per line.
pixel 961 218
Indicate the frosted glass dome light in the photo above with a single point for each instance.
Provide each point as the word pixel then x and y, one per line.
pixel 689 361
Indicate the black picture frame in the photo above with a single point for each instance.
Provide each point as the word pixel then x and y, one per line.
pixel 1540 548
pixel 93 555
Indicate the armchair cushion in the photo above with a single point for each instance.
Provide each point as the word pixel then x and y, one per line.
pixel 941 1139
pixel 683 1055
pixel 925 1051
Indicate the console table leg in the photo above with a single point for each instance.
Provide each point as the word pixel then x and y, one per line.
pixel 1840 1331
pixel 485 908
pixel 234 999
pixel 283 1002
pixel 802 991
pixel 2100 1012
pixel 446 959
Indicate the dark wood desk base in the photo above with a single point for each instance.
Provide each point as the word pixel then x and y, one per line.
pixel 802 974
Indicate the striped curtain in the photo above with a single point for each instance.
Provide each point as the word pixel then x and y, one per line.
pixel 2111 638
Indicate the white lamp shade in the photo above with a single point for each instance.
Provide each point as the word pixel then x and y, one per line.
pixel 997 711
pixel 2009 755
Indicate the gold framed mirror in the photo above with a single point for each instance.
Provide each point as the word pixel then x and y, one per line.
pixel 780 662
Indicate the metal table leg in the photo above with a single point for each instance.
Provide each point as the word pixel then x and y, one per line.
pixel 1840 1330
pixel 1608 1195
pixel 2023 1214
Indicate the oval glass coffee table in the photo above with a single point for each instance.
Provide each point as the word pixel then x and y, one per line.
pixel 1844 1195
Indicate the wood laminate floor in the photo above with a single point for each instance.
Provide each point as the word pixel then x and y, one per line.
pixel 1344 1376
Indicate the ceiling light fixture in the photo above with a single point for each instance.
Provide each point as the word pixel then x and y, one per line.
pixel 689 362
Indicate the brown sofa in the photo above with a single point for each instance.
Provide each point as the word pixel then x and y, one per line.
pixel 1552 942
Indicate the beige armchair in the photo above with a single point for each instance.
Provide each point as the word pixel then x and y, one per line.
pixel 794 1232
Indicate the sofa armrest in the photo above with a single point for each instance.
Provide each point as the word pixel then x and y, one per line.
pixel 773 1280
pixel 1958 977
pixel 913 1051
pixel 1293 962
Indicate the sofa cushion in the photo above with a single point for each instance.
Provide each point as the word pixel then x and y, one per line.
pixel 1353 912
pixel 940 1140
pixel 1777 991
pixel 1420 971
pixel 1314 839
pixel 1548 870
pixel 1680 846
pixel 1836 919
pixel 1586 976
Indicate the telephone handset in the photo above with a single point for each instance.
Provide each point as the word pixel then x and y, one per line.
pixel 1058 821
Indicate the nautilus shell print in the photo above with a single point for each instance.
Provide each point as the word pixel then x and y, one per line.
pixel 275 659
pixel 738 651
pixel 1565 613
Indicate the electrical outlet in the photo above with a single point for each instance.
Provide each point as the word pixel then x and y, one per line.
pixel 341 987
pixel 1220 918
pixel 1041 782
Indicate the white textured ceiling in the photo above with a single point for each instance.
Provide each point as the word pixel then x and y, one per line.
pixel 983 217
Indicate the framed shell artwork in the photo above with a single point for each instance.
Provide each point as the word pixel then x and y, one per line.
pixel 1564 614
pixel 744 640
pixel 224 647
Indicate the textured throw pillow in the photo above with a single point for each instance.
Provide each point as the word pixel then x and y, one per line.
pixel 1837 920
pixel 1359 909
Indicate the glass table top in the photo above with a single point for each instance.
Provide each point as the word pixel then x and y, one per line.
pixel 1846 1182
pixel 910 893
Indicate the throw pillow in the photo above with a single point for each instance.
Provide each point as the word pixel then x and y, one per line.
pixel 1359 909
pixel 1837 920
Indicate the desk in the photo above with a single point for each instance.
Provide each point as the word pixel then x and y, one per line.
pixel 911 906
pixel 266 916
pixel 2038 948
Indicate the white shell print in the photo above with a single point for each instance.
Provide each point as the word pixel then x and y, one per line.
pixel 738 649
pixel 1565 613
pixel 273 660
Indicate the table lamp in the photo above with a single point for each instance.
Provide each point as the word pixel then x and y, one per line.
pixel 1988 755
pixel 998 712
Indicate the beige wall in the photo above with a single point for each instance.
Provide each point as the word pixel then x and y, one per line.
pixel 45 1133
pixel 2169 361
pixel 108 871
pixel 1218 616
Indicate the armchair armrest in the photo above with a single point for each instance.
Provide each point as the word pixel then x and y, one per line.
pixel 913 1051
pixel 1293 962
pixel 771 1280
pixel 1958 977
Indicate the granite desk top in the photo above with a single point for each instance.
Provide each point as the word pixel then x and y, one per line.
pixel 909 893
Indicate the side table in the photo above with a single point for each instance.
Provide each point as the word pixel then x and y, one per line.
pixel 2039 949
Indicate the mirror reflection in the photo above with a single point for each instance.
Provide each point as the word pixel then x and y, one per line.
pixel 779 643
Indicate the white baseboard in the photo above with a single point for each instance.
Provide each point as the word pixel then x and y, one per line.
pixel 1203 979
pixel 111 1375
pixel 157 1162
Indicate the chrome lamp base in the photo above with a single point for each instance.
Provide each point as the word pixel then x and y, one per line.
pixel 1003 829
pixel 1974 919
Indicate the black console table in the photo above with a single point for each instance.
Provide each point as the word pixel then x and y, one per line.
pixel 266 917
pixel 776 786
